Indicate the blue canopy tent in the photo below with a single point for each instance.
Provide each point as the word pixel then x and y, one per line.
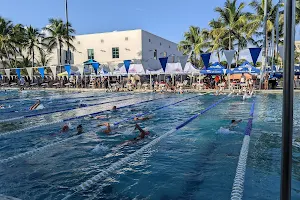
pixel 297 70
pixel 246 67
pixel 93 63
pixel 215 69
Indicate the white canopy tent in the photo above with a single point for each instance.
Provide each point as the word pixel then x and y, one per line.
pixel 190 69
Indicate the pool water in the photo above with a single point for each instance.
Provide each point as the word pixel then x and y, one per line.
pixel 196 162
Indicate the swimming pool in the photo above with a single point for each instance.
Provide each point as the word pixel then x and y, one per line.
pixel 196 162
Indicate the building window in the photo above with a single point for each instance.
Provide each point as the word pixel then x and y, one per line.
pixel 165 54
pixel 102 41
pixel 90 54
pixel 126 38
pixel 160 43
pixel 173 58
pixel 149 40
pixel 169 46
pixel 115 52
pixel 155 54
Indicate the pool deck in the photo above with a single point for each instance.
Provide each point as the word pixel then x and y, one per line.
pixel 276 91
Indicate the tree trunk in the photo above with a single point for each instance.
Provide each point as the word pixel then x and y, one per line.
pixel 218 54
pixel 7 55
pixel 237 55
pixel 229 39
pixel 32 57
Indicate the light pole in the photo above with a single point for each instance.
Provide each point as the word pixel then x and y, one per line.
pixel 67 18
pixel 288 95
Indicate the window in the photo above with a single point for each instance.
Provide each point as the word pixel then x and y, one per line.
pixel 160 43
pixel 102 41
pixel 115 52
pixel 90 54
pixel 173 58
pixel 126 38
pixel 165 54
pixel 149 40
pixel 169 46
pixel 155 54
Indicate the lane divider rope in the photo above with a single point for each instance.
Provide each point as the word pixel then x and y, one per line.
pixel 238 184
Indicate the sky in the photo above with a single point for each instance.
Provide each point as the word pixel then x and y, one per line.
pixel 166 18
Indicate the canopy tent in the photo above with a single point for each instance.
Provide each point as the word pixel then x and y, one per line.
pixel 159 71
pixel 297 70
pixel 94 64
pixel 215 69
pixel 133 69
pixel 190 69
pixel 65 73
pixel 173 68
pixel 246 67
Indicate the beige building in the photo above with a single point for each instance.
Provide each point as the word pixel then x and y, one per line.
pixel 113 48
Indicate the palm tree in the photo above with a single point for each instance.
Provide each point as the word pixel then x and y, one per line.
pixel 32 41
pixel 44 58
pixel 193 43
pixel 6 39
pixel 232 18
pixel 257 19
pixel 58 36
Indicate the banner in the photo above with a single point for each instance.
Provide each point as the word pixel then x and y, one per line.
pixel 18 71
pixel 206 58
pixel 53 69
pixel 183 60
pixel 254 54
pixel 81 69
pixel 7 72
pixel 29 71
pixel 96 66
pixel 42 71
pixel 68 69
pixel 229 54
pixel 127 65
pixel 163 62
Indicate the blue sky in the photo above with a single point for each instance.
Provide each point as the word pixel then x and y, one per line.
pixel 168 18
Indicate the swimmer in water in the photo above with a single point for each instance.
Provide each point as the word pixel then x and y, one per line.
pixel 108 129
pixel 35 105
pixel 79 129
pixel 99 117
pixel 141 136
pixel 234 123
pixel 114 108
pixel 65 128
pixel 142 118
pixel 2 107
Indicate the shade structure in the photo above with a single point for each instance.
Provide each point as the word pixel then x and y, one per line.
pixel 133 69
pixel 190 69
pixel 246 67
pixel 215 69
pixel 173 68
pixel 159 71
pixel 238 76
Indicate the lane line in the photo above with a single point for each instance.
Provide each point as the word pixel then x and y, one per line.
pixel 239 179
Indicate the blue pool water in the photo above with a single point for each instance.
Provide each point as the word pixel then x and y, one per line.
pixel 196 162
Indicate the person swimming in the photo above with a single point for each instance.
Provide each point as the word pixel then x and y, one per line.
pixel 142 118
pixel 108 128
pixel 65 128
pixel 234 123
pixel 114 108
pixel 141 136
pixel 79 129
pixel 34 106
pixel 98 117
pixel 2 106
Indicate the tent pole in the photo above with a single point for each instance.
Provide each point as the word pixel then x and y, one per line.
pixel 288 95
pixel 150 82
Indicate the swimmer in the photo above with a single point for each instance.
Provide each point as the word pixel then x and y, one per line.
pixel 79 129
pixel 2 107
pixel 142 118
pixel 82 105
pixel 142 135
pixel 108 129
pixel 234 123
pixel 65 128
pixel 99 117
pixel 114 108
pixel 35 105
